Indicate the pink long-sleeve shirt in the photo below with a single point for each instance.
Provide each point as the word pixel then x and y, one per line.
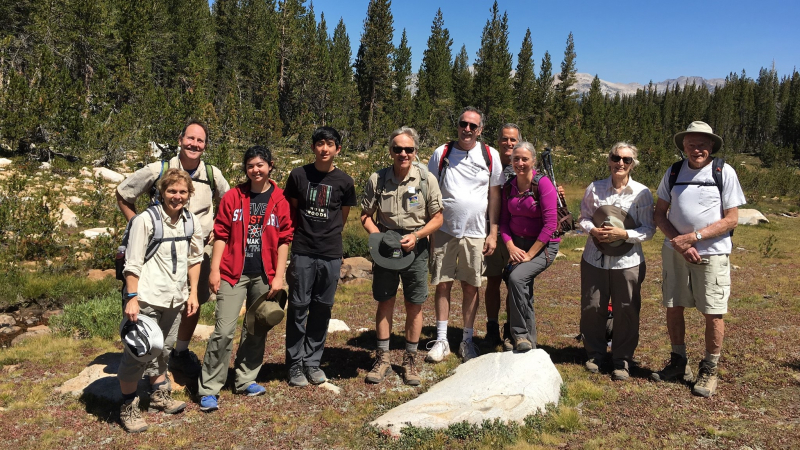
pixel 524 216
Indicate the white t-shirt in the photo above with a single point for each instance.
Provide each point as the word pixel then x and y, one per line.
pixel 694 207
pixel 465 189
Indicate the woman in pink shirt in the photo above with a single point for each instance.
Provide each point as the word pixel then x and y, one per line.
pixel 528 222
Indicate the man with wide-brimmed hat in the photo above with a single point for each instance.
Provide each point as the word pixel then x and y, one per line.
pixel 702 198
pixel 402 206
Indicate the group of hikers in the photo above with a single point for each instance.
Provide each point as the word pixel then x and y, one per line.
pixel 472 211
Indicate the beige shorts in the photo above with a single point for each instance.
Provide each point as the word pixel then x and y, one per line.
pixel 497 261
pixel 702 286
pixel 456 259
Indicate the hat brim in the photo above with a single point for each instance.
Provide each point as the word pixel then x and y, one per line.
pixel 274 315
pixel 155 338
pixel 613 248
pixel 387 263
pixel 678 138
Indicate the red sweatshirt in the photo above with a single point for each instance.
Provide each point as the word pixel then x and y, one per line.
pixel 230 226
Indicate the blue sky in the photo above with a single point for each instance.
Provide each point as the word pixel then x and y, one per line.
pixel 621 41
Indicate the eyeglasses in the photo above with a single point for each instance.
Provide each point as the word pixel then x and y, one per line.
pixel 468 125
pixel 625 159
pixel 408 150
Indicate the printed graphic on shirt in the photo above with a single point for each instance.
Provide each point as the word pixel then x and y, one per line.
pixel 255 227
pixel 318 200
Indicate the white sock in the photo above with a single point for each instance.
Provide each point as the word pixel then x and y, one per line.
pixel 679 349
pixel 711 358
pixel 181 346
pixel 468 332
pixel 441 330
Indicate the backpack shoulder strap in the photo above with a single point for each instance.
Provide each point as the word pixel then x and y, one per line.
pixel 210 177
pixel 535 182
pixel 507 189
pixel 188 229
pixel 444 162
pixel 487 157
pixel 716 170
pixel 154 195
pixel 158 232
pixel 673 174
pixel 423 179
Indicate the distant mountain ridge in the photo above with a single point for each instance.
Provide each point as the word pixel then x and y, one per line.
pixel 610 88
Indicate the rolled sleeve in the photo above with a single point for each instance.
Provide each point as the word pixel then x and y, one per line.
pixel 196 244
pixel 588 207
pixel 434 200
pixel 644 216
pixel 368 203
pixel 138 183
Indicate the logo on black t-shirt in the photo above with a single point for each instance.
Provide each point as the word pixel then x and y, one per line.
pixel 319 200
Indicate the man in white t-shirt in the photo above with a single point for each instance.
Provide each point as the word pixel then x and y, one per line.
pixel 698 216
pixel 470 176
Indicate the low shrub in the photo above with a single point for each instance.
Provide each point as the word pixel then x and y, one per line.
pixel 93 317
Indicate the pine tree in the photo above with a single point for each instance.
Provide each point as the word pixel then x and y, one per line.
pixel 566 97
pixel 525 86
pixel 342 113
pixel 492 84
pixel 462 80
pixel 434 102
pixel 373 68
pixel 543 101
pixel 402 111
pixel 593 110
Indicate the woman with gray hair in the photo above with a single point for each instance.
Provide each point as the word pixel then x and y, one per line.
pixel 528 221
pixel 617 213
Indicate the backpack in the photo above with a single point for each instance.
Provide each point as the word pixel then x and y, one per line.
pixel 423 180
pixel 155 240
pixel 716 172
pixel 444 162
pixel 564 220
pixel 155 196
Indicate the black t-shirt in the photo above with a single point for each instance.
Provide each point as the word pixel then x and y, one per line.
pixel 252 254
pixel 320 197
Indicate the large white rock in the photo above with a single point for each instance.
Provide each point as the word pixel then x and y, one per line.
pixel 99 379
pixel 751 217
pixel 92 233
pixel 337 325
pixel 203 332
pixel 68 218
pixel 5 162
pixel 108 174
pixel 508 386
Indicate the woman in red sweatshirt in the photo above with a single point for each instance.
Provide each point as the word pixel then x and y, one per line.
pixel 252 231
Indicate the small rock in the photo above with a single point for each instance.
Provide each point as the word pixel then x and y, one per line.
pixel 337 325
pixel 68 218
pixel 295 161
pixel 29 321
pixel 92 233
pixel 560 255
pixel 579 249
pixel 108 175
pixel 331 387
pixel 97 274
pixel 735 267
pixel 85 242
pixel 7 321
pixel 52 313
pixel 5 162
pixel 83 256
pixel 203 332
pixel 356 281
pixel 10 368
pixel 10 330
pixel 751 217
pixel 362 330
pixel 32 332
pixel 355 267
pixel 75 200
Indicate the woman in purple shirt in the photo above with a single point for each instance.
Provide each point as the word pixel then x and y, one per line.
pixel 528 222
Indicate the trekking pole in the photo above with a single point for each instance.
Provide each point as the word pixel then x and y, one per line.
pixel 547 163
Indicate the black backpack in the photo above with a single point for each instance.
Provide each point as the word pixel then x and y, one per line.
pixel 155 196
pixel 155 240
pixel 716 172
pixel 564 219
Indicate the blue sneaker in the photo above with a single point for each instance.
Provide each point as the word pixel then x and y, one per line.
pixel 253 390
pixel 209 403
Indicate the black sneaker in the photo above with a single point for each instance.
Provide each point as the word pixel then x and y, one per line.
pixel 296 376
pixel 493 334
pixel 315 375
pixel 677 368
pixel 185 362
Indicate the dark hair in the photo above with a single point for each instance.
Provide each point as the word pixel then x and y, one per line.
pixel 257 151
pixel 326 134
pixel 191 121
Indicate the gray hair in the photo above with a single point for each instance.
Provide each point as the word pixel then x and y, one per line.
pixel 475 110
pixel 527 146
pixel 623 144
pixel 408 131
pixel 506 126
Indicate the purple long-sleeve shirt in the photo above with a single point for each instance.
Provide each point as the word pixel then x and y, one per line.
pixel 523 216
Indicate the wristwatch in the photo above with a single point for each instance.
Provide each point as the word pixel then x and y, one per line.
pixel 698 235
pixel 415 235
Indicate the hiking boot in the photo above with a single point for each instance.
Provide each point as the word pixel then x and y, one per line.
pixel 437 351
pixel 523 344
pixel 508 343
pixel 131 417
pixel 493 334
pixel 380 368
pixel 621 371
pixel 707 380
pixel 678 367
pixel 209 403
pixel 296 376
pixel 161 400
pixel 593 365
pixel 410 375
pixel 253 390
pixel 315 375
pixel 185 362
pixel 468 350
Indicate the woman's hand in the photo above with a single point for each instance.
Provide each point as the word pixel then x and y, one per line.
pixel 132 309
pixel 192 305
pixel 213 281
pixel 275 287
pixel 609 234
pixel 516 255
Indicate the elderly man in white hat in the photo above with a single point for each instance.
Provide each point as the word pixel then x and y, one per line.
pixel 702 195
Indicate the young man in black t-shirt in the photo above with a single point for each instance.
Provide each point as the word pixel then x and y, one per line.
pixel 320 196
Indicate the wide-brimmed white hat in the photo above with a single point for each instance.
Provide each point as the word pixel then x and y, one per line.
pixel 143 339
pixel 702 128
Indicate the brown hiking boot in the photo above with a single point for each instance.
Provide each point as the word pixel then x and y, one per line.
pixel 410 375
pixel 678 367
pixel 131 417
pixel 380 368
pixel 707 380
pixel 593 365
pixel 161 400
pixel 621 371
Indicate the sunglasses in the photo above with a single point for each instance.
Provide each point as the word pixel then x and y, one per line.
pixel 407 150
pixel 625 159
pixel 468 125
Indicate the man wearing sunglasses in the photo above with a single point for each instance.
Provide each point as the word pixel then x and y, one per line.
pixel 470 182
pixel 696 251
pixel 403 198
